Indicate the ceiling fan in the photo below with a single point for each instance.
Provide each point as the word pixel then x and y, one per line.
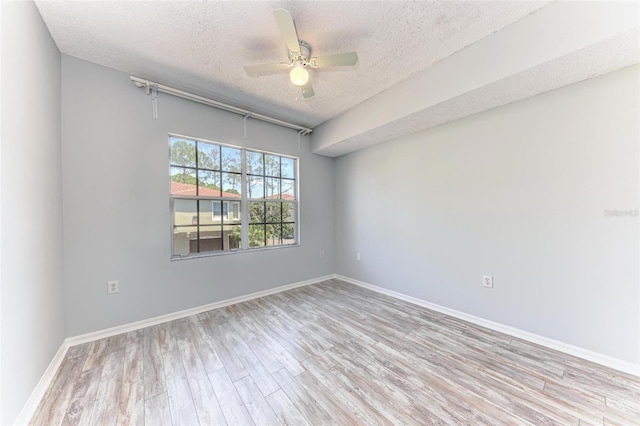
pixel 299 57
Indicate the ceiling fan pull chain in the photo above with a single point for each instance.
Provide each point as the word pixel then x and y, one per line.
pixel 154 101
pixel 245 124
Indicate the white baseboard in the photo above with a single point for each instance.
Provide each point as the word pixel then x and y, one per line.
pixel 100 334
pixel 607 361
pixel 31 405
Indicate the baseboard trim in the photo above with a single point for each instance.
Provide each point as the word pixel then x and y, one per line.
pixel 32 403
pixel 29 408
pixel 605 360
pixel 100 334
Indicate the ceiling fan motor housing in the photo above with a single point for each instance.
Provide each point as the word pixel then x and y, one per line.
pixel 299 53
pixel 305 53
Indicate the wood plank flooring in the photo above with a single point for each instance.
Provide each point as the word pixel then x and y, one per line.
pixel 330 353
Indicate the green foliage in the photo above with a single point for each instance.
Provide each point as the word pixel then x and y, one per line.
pixel 256 235
pixel 287 231
pixel 208 156
pixel 183 154
pixel 183 178
pixel 256 212
pixel 274 213
pixel 236 237
pixel 274 231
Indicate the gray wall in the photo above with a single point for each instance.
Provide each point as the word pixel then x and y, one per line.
pixel 116 204
pixel 520 193
pixel 31 227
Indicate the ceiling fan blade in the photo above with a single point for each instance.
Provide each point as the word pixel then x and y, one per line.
pixel 288 29
pixel 307 90
pixel 261 69
pixel 340 59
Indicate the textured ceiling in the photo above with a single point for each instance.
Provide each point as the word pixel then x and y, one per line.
pixel 202 46
pixel 586 63
pixel 560 44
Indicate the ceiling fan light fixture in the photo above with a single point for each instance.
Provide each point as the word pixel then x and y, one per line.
pixel 299 75
pixel 299 53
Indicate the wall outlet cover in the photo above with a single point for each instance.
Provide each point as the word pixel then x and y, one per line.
pixel 113 287
pixel 487 281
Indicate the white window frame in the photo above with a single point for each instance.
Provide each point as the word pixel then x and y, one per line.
pixel 243 202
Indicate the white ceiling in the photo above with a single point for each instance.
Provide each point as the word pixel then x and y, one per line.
pixel 201 47
pixel 421 64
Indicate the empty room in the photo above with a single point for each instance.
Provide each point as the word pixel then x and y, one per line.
pixel 320 213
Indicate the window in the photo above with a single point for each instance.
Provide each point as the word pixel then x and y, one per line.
pixel 212 185
pixel 219 212
pixel 271 195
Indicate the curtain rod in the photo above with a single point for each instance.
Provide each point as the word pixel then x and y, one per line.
pixel 142 83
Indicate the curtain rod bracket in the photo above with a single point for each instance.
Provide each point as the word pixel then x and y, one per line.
pixel 244 120
pixel 154 101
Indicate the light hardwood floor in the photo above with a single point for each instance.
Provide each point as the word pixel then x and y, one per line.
pixel 330 353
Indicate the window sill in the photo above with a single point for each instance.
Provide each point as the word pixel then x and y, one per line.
pixel 230 252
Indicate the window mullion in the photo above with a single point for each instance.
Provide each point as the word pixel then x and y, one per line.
pixel 198 225
pixel 197 182
pixel 296 200
pixel 244 204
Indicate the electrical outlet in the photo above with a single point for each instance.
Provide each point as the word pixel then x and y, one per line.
pixel 487 281
pixel 113 287
pixel 321 253
pixel 358 256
